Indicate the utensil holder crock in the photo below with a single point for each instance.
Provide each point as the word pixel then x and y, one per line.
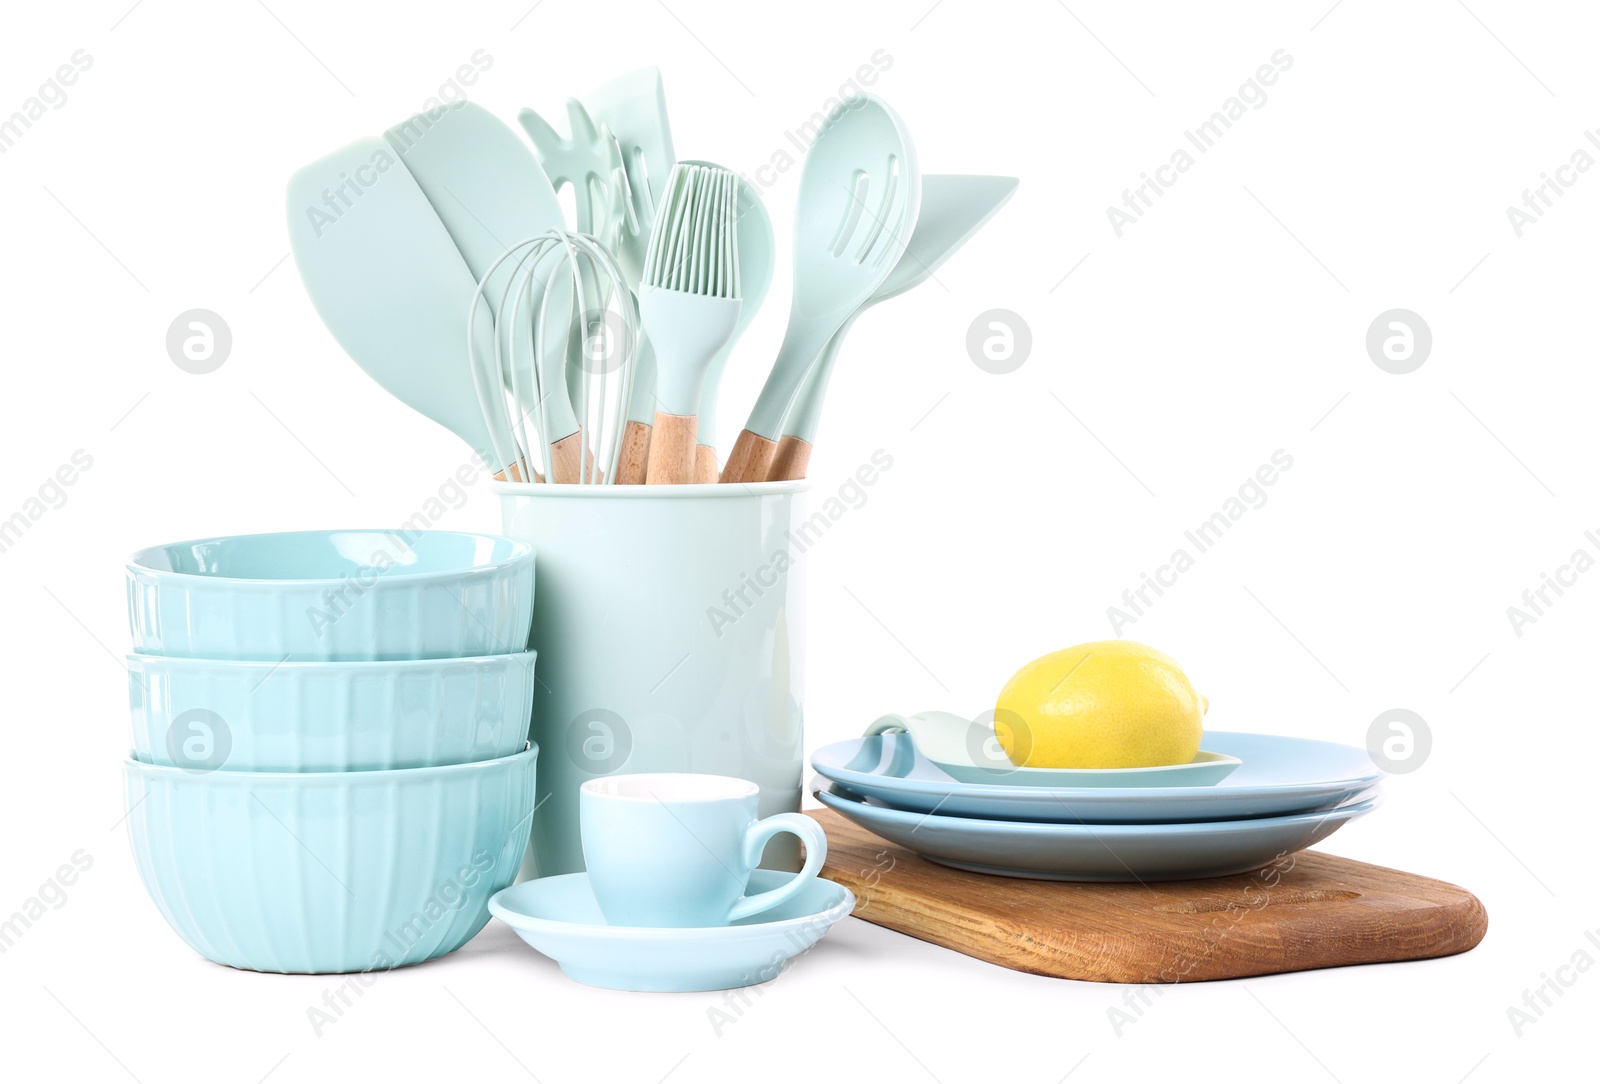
pixel 671 636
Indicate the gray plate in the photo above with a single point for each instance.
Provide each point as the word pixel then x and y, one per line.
pixel 1097 852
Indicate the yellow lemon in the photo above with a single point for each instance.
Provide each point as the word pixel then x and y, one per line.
pixel 1111 704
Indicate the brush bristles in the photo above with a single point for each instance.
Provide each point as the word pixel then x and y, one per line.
pixel 694 244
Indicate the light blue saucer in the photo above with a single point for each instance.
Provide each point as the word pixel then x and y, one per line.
pixel 1097 852
pixel 1279 775
pixel 559 917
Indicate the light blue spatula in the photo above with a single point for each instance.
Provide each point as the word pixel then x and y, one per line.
pixel 390 284
pixel 489 191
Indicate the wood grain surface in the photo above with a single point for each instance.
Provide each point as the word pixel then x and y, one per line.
pixel 1306 910
pixel 750 459
pixel 672 445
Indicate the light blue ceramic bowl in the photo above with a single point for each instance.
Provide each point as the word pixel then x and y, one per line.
pixel 203 714
pixel 345 596
pixel 329 872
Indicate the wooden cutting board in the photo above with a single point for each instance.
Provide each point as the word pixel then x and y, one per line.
pixel 1308 910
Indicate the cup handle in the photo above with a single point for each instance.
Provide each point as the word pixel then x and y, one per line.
pixel 755 841
pixel 887 724
pixel 901 758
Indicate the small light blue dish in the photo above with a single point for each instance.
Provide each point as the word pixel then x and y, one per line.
pixel 343 596
pixel 967 751
pixel 1097 852
pixel 1277 775
pixel 329 871
pixel 559 917
pixel 328 716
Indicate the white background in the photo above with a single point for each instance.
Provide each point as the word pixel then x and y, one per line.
pixel 1167 365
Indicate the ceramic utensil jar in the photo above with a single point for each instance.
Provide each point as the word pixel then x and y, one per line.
pixel 671 638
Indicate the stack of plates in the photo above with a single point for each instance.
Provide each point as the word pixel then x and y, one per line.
pixel 1287 794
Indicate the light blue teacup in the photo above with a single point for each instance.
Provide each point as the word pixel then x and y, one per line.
pixel 669 849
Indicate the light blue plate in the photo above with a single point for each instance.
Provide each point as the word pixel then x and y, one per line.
pixel 1097 852
pixel 1280 775
pixel 559 917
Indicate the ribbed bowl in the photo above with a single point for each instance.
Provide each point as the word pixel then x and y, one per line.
pixel 330 872
pixel 204 714
pixel 333 595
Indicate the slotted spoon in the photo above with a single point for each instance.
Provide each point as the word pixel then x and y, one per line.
pixel 860 191
pixel 954 207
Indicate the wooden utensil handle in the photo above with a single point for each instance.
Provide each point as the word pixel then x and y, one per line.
pixel 672 445
pixel 750 459
pixel 514 474
pixel 790 460
pixel 635 457
pixel 571 462
pixel 705 464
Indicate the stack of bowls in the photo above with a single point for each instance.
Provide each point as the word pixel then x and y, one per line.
pixel 331 769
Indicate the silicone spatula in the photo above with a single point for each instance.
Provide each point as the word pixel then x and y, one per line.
pixel 390 284
pixel 489 191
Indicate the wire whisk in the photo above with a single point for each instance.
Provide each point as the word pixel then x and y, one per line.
pixel 560 284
